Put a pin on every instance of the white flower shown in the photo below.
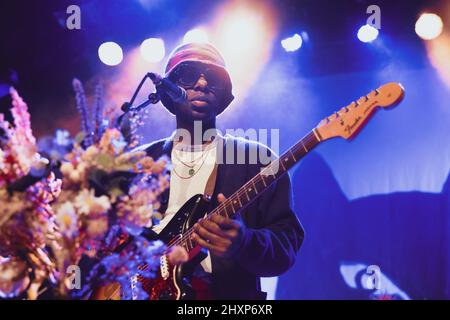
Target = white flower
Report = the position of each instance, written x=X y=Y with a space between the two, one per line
x=66 y=217
x=87 y=203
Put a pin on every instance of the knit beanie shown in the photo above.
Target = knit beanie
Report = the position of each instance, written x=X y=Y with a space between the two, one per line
x=199 y=52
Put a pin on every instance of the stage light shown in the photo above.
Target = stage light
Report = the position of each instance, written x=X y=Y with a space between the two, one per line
x=153 y=50
x=429 y=26
x=242 y=31
x=292 y=43
x=195 y=35
x=367 y=33
x=244 y=34
x=110 y=53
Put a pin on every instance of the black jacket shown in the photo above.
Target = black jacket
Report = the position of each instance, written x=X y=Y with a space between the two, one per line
x=275 y=234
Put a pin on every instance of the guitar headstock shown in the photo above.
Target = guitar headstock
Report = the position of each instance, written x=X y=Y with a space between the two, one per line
x=349 y=120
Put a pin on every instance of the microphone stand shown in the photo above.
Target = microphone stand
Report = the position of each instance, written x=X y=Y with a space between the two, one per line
x=153 y=98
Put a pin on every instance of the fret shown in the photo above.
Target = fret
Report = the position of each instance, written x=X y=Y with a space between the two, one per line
x=250 y=191
x=313 y=140
x=263 y=180
x=259 y=183
x=245 y=191
x=301 y=141
x=282 y=165
x=292 y=154
x=235 y=205
x=243 y=200
x=316 y=135
x=223 y=211
x=287 y=161
x=230 y=204
x=226 y=211
x=239 y=200
x=254 y=185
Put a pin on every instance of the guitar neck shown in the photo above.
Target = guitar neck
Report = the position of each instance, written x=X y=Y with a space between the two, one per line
x=268 y=175
x=232 y=206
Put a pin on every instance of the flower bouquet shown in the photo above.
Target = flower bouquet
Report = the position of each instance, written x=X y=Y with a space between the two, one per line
x=84 y=201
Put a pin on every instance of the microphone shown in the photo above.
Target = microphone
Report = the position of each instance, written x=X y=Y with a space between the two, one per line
x=165 y=86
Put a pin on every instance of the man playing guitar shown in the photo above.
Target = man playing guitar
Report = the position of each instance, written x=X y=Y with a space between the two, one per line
x=265 y=239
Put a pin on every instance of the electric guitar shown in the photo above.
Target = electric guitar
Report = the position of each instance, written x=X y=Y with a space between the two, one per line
x=170 y=281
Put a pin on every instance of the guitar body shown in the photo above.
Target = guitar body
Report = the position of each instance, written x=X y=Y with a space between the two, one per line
x=171 y=282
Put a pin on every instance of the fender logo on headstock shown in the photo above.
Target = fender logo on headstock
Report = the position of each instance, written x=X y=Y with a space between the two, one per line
x=350 y=119
x=349 y=128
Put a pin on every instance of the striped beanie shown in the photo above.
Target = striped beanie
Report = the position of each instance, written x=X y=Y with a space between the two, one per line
x=205 y=53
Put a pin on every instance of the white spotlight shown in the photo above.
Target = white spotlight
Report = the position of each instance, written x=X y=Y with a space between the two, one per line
x=293 y=43
x=242 y=32
x=110 y=53
x=429 y=26
x=367 y=33
x=195 y=35
x=153 y=50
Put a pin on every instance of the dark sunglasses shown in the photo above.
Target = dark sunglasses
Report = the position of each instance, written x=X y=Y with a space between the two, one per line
x=187 y=74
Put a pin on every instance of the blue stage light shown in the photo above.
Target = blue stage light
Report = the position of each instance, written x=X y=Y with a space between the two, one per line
x=429 y=26
x=367 y=33
x=153 y=50
x=292 y=43
x=196 y=35
x=110 y=53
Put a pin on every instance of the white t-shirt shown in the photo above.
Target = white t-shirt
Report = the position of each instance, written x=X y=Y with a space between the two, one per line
x=184 y=186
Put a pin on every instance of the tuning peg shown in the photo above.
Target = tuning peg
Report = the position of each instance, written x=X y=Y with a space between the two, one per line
x=343 y=110
x=363 y=99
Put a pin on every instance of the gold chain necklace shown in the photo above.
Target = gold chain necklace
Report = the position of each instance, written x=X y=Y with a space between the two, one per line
x=192 y=172
x=193 y=162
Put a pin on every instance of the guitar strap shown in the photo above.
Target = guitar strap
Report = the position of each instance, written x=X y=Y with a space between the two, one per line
x=211 y=183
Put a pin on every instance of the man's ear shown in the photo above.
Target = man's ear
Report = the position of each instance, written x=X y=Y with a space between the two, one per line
x=225 y=102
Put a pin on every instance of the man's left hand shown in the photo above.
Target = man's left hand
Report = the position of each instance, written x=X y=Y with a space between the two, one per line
x=221 y=236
